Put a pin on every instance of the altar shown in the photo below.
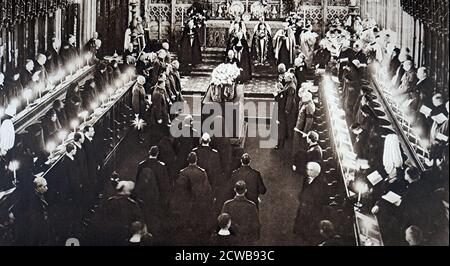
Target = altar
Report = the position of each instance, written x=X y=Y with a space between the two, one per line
x=166 y=19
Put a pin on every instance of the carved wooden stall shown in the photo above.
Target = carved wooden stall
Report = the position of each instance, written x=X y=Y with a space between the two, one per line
x=27 y=27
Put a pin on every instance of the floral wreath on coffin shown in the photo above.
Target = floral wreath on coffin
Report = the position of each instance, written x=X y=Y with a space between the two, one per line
x=223 y=79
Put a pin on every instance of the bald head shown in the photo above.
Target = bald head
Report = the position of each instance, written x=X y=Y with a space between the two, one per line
x=313 y=169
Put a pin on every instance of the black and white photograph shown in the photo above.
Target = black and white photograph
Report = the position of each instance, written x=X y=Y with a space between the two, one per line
x=224 y=123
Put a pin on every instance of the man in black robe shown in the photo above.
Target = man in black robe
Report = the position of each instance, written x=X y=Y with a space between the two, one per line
x=190 y=53
x=242 y=52
x=311 y=200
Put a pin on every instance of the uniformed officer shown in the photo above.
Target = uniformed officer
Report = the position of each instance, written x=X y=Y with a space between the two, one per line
x=197 y=199
x=165 y=183
x=244 y=214
x=209 y=159
x=116 y=216
x=252 y=177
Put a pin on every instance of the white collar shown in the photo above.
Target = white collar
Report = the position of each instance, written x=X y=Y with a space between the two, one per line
x=136 y=238
x=70 y=156
x=224 y=232
x=77 y=144
x=89 y=138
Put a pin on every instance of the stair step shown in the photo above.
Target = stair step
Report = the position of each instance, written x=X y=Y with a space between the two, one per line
x=214 y=49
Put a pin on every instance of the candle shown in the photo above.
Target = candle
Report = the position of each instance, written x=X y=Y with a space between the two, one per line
x=83 y=115
x=27 y=93
x=13 y=166
x=51 y=146
x=74 y=125
x=62 y=136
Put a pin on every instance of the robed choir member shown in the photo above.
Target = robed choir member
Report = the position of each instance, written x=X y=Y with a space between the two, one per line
x=50 y=126
x=73 y=102
x=284 y=46
x=26 y=75
x=262 y=44
x=190 y=53
x=242 y=52
x=58 y=107
x=89 y=94
x=101 y=79
x=13 y=84
x=308 y=40
x=311 y=201
x=40 y=68
x=245 y=215
x=69 y=52
x=54 y=62
x=159 y=117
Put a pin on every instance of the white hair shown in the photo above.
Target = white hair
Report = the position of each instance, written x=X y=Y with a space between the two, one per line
x=40 y=181
x=314 y=166
x=125 y=187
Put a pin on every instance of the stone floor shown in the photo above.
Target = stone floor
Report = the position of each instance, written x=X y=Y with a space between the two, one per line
x=200 y=84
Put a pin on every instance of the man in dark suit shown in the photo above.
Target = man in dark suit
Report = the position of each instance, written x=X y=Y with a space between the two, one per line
x=209 y=159
x=185 y=143
x=26 y=75
x=329 y=235
x=310 y=209
x=425 y=87
x=244 y=214
x=194 y=184
x=251 y=177
x=93 y=159
x=35 y=209
x=314 y=153
x=361 y=144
